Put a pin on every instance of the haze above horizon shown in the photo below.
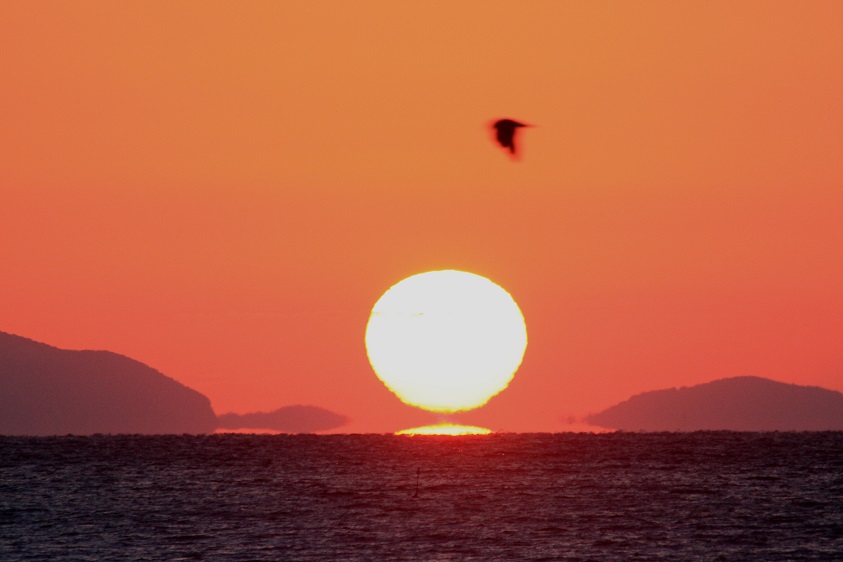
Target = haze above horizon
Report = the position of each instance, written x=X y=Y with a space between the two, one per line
x=223 y=192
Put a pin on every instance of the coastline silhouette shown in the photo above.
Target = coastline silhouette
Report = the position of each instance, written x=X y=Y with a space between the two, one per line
x=45 y=390
x=733 y=404
x=288 y=419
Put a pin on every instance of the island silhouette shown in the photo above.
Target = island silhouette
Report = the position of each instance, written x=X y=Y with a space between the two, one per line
x=296 y=419
x=45 y=390
x=736 y=404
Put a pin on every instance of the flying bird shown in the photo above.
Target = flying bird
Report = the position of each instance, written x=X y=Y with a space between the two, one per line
x=505 y=130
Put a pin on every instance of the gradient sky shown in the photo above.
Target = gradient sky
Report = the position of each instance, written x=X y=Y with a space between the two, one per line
x=222 y=190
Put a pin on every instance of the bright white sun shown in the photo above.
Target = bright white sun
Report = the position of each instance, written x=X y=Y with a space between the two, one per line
x=446 y=341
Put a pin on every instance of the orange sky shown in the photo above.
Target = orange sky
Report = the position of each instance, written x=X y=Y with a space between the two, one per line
x=223 y=191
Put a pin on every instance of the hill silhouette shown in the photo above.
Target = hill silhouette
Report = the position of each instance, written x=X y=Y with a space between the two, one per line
x=736 y=404
x=45 y=390
x=289 y=419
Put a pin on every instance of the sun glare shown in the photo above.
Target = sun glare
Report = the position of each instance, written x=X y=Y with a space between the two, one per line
x=446 y=341
x=445 y=429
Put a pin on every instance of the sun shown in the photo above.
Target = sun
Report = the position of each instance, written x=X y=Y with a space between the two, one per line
x=446 y=341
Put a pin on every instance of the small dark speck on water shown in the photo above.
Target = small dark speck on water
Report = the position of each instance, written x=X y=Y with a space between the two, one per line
x=616 y=496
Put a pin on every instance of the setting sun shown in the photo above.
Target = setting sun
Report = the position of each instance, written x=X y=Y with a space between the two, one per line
x=446 y=341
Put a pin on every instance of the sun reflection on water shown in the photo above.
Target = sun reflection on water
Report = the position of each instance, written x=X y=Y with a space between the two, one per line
x=445 y=429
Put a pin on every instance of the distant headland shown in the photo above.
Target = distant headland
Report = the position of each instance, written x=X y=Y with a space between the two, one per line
x=298 y=419
x=736 y=404
x=45 y=390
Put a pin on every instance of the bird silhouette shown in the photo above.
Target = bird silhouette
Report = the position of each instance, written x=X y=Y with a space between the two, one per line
x=505 y=130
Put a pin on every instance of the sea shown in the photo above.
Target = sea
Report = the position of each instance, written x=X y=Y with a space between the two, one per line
x=562 y=496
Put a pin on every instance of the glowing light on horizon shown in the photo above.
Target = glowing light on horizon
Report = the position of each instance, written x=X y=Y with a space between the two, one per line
x=445 y=429
x=446 y=341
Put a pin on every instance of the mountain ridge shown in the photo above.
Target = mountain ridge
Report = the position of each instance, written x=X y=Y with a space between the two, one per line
x=46 y=390
x=744 y=403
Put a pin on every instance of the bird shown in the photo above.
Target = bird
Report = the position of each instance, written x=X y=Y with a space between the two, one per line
x=505 y=130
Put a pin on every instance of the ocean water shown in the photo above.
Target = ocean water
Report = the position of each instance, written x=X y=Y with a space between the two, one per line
x=618 y=496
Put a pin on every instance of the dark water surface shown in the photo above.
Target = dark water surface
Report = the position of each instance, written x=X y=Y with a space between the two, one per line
x=700 y=496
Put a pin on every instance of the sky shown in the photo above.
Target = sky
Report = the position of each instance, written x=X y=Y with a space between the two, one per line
x=223 y=190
